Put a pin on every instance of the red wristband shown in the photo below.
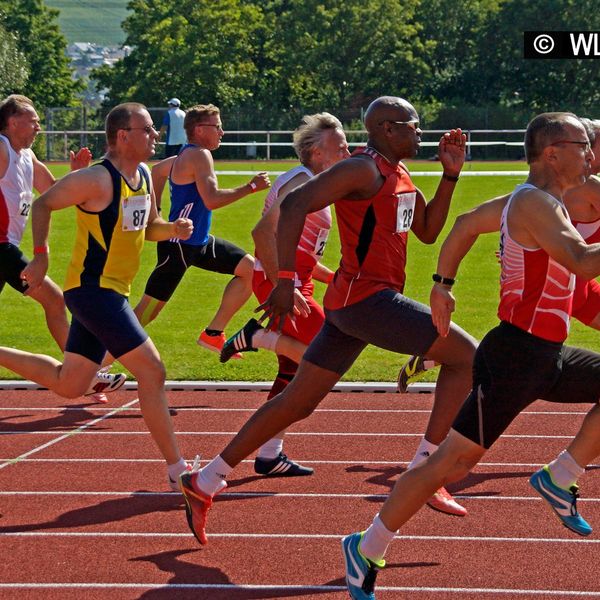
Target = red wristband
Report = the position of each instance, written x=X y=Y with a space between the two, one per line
x=41 y=250
x=330 y=278
x=286 y=275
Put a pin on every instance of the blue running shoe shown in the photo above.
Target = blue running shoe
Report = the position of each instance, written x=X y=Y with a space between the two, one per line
x=562 y=502
x=360 y=571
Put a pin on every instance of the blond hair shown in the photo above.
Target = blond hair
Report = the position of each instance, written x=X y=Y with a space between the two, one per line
x=309 y=133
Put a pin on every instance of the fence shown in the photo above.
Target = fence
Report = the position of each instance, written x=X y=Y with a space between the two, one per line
x=482 y=144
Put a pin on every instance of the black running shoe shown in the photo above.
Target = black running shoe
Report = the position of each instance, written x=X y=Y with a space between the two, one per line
x=281 y=466
x=240 y=341
x=412 y=370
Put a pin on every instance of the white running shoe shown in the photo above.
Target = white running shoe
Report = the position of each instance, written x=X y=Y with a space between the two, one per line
x=105 y=383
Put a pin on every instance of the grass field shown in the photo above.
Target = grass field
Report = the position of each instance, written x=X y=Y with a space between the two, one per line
x=93 y=21
x=198 y=296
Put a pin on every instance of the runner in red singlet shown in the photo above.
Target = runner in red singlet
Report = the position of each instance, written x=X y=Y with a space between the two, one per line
x=376 y=206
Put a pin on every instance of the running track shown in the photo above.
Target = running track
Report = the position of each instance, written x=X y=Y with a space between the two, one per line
x=84 y=511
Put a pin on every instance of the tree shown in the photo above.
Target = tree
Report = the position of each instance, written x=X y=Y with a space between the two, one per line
x=38 y=37
x=14 y=70
x=197 y=50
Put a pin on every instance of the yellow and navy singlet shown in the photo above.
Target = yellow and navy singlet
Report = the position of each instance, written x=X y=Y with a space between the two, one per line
x=108 y=244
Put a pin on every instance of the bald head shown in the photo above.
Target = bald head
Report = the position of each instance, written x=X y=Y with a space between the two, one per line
x=545 y=129
x=388 y=108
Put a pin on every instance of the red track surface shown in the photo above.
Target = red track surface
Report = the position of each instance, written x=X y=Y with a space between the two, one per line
x=87 y=514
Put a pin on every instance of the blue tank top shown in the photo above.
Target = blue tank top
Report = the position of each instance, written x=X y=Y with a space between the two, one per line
x=187 y=203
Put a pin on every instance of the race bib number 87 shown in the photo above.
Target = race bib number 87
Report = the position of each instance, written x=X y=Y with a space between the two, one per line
x=136 y=210
x=405 y=211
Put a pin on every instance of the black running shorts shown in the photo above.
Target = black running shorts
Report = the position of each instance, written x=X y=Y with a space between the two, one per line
x=512 y=369
x=386 y=319
x=174 y=258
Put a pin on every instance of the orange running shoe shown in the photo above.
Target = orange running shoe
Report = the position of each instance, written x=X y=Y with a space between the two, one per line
x=443 y=501
x=214 y=343
x=197 y=505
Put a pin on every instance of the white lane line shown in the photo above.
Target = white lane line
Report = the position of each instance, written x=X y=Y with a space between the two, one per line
x=350 y=462
x=292 y=536
x=277 y=495
x=255 y=408
x=298 y=588
x=79 y=430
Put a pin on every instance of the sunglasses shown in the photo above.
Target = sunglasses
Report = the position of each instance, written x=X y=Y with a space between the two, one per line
x=413 y=123
x=586 y=145
x=148 y=128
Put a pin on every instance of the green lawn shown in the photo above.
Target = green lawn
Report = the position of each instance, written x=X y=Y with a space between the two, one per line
x=198 y=296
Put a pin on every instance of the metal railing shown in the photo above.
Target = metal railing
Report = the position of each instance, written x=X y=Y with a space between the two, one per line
x=58 y=143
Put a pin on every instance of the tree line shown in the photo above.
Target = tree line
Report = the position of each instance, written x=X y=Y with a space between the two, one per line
x=269 y=61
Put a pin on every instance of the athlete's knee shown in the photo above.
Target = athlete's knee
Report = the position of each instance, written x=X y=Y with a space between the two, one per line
x=245 y=269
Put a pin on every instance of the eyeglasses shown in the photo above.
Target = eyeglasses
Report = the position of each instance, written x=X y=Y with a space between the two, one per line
x=413 y=123
x=219 y=126
x=586 y=145
x=148 y=128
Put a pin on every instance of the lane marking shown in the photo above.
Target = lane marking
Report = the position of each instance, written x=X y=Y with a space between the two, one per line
x=467 y=496
x=350 y=462
x=291 y=536
x=255 y=408
x=78 y=431
x=297 y=588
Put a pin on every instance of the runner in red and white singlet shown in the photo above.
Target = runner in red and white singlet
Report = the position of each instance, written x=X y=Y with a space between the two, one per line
x=536 y=292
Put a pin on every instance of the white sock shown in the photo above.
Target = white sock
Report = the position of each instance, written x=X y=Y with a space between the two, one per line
x=565 y=471
x=429 y=364
x=271 y=449
x=264 y=338
x=424 y=450
x=211 y=478
x=376 y=540
x=176 y=469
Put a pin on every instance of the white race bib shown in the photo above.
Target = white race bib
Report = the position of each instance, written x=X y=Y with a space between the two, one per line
x=25 y=203
x=405 y=211
x=321 y=242
x=136 y=210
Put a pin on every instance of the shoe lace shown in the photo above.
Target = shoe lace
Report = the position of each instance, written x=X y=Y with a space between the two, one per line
x=575 y=493
x=368 y=585
x=196 y=464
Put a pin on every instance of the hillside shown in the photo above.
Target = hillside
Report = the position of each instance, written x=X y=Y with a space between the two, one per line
x=97 y=21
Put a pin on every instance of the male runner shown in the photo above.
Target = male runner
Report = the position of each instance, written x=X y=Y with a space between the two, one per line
x=20 y=173
x=195 y=194
x=376 y=205
x=116 y=211
x=520 y=360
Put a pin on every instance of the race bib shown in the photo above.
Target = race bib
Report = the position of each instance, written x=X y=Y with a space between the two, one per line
x=321 y=242
x=25 y=203
x=136 y=210
x=405 y=211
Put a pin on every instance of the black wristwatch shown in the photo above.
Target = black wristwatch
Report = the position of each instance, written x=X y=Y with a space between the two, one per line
x=443 y=280
x=453 y=178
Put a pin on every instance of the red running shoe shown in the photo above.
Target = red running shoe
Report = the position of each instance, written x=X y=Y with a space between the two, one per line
x=443 y=501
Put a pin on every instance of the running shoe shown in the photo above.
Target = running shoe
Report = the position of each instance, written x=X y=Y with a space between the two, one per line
x=281 y=466
x=443 y=501
x=240 y=341
x=214 y=343
x=412 y=370
x=100 y=398
x=105 y=383
x=197 y=505
x=562 y=502
x=360 y=571
x=192 y=468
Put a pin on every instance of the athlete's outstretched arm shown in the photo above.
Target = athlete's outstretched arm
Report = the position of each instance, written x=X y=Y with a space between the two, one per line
x=430 y=217
x=484 y=218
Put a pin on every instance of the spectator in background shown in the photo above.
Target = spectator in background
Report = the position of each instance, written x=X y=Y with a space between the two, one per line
x=172 y=125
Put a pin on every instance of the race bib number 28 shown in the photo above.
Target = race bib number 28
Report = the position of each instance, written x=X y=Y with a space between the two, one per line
x=136 y=210
x=405 y=211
